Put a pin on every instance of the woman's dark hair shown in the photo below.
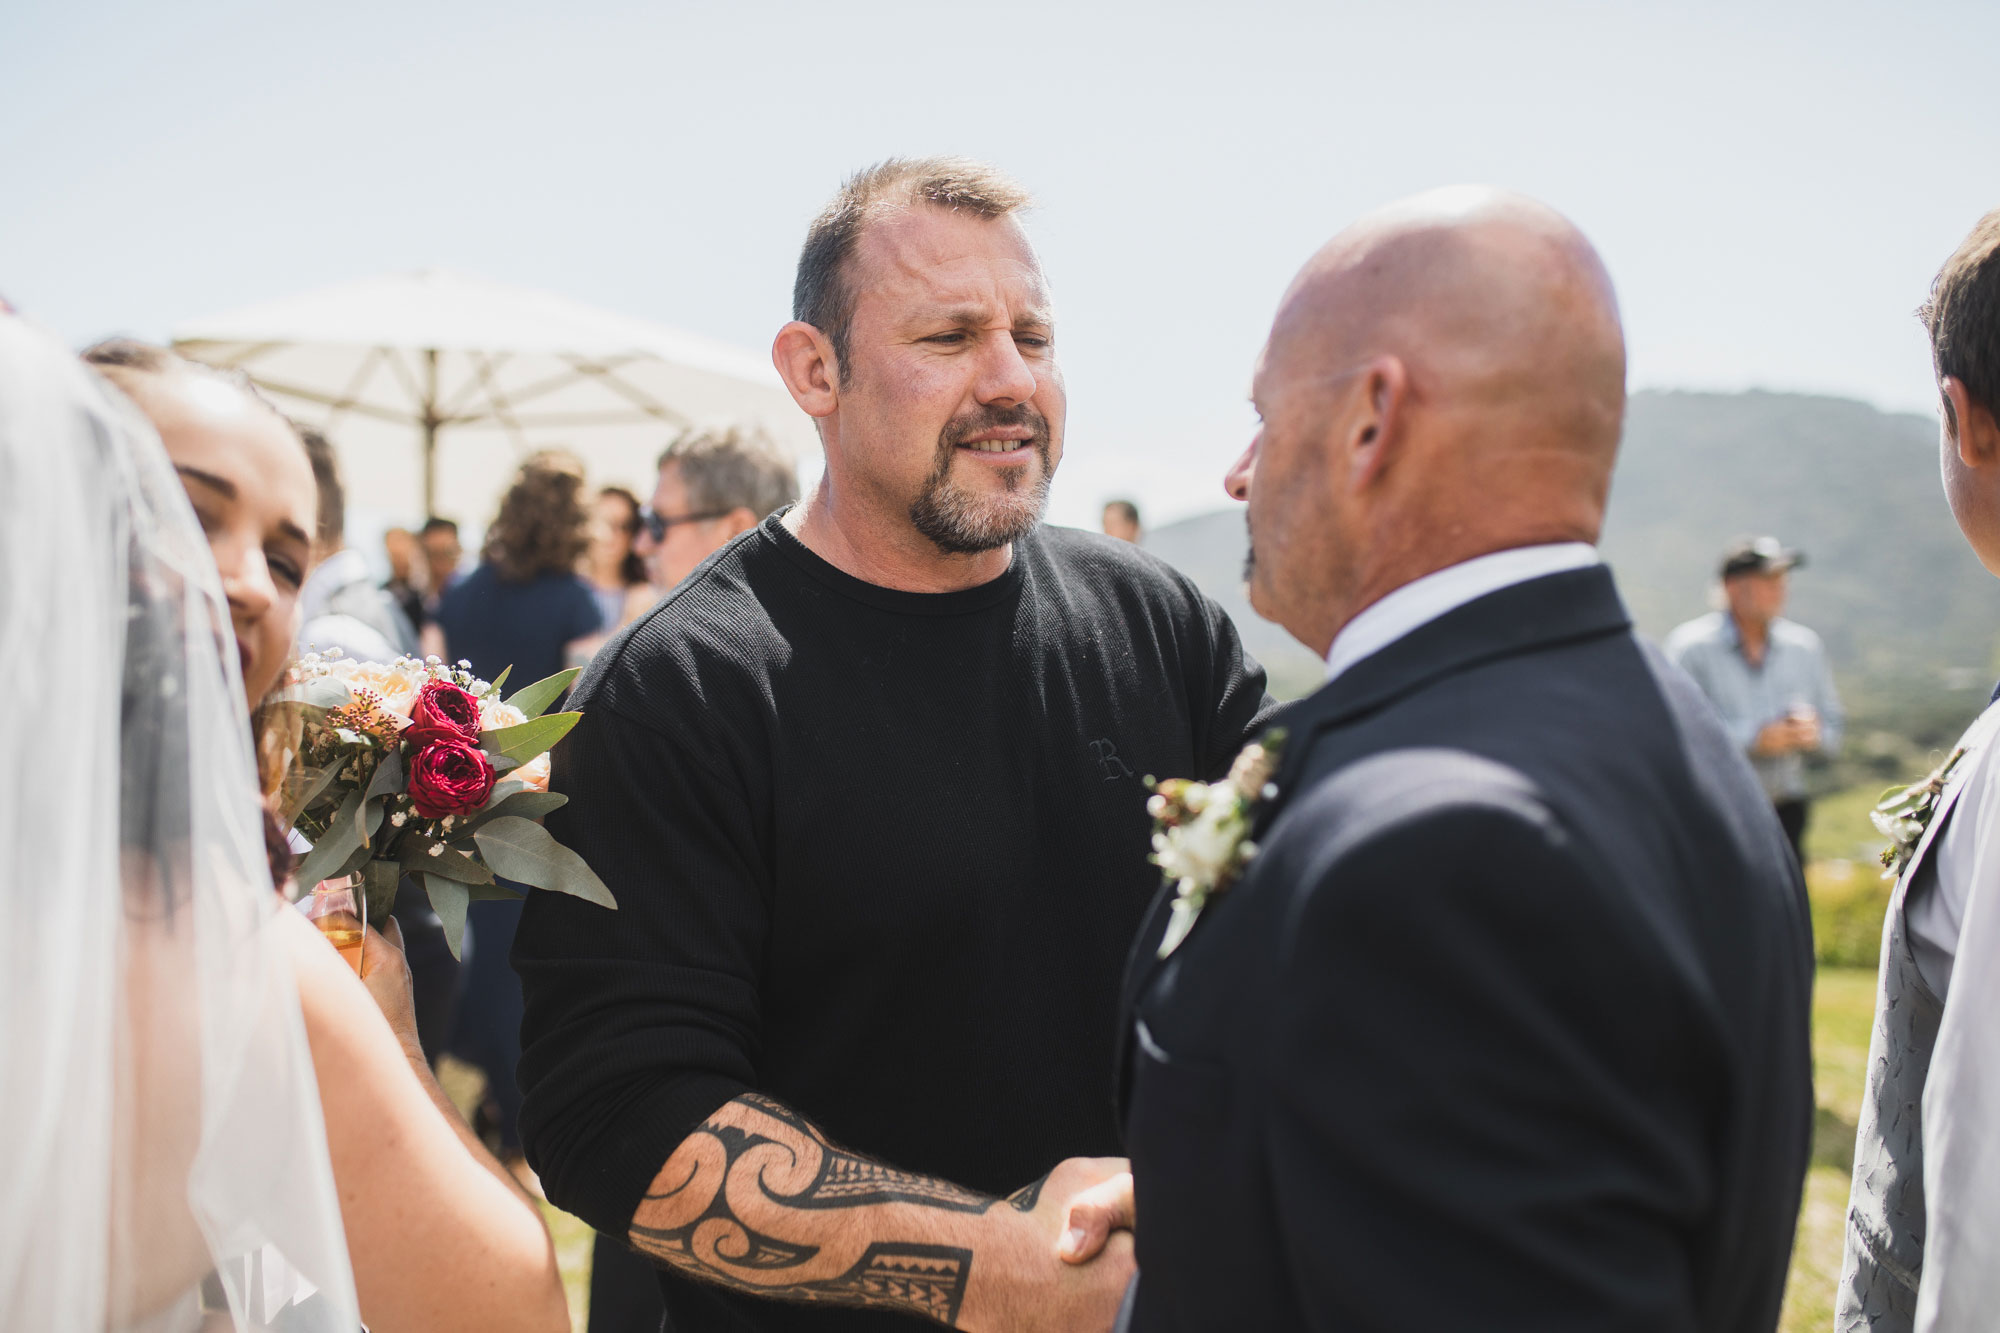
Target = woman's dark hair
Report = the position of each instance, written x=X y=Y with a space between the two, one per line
x=632 y=569
x=543 y=526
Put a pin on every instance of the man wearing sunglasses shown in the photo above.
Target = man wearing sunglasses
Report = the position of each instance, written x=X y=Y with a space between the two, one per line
x=714 y=484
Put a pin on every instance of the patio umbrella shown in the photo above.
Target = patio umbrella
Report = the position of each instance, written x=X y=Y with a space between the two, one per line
x=434 y=385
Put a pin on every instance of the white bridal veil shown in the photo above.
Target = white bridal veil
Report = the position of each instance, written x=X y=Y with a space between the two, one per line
x=163 y=1161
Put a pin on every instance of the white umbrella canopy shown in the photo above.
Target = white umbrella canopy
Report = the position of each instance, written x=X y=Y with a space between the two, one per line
x=434 y=385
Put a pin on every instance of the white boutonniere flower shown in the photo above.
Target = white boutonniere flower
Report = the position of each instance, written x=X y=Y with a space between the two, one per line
x=1201 y=831
x=1904 y=813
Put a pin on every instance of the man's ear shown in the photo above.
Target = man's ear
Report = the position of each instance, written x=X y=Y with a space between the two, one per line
x=1976 y=433
x=1385 y=383
x=805 y=361
x=738 y=520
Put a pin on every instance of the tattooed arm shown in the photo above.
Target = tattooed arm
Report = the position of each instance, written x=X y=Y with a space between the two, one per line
x=758 y=1200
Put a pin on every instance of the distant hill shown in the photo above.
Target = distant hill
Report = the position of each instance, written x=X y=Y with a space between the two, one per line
x=1910 y=619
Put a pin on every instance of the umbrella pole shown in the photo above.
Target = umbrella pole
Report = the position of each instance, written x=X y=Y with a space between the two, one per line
x=430 y=424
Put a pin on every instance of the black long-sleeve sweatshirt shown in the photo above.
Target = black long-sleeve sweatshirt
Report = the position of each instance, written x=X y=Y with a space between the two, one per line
x=877 y=854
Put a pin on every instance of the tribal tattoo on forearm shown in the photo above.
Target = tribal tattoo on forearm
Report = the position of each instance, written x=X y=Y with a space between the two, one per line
x=735 y=1178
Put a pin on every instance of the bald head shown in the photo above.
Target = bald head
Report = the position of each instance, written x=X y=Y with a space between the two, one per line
x=1492 y=301
x=1444 y=379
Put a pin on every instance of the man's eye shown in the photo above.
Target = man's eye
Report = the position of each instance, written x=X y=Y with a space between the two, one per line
x=1032 y=339
x=946 y=339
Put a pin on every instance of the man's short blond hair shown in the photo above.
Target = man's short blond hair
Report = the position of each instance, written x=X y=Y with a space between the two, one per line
x=822 y=296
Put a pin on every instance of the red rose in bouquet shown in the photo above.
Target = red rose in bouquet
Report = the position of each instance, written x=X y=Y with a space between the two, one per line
x=449 y=777
x=443 y=712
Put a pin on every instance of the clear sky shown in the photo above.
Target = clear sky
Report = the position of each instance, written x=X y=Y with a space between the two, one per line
x=1772 y=185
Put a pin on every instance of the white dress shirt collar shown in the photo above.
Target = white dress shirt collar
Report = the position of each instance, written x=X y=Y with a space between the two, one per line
x=1417 y=604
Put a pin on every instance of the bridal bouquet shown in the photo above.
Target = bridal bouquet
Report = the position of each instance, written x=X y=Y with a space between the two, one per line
x=418 y=768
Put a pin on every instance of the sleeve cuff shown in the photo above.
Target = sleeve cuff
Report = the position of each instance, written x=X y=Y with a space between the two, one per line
x=601 y=1170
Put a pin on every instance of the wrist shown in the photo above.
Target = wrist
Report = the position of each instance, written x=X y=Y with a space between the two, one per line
x=1003 y=1260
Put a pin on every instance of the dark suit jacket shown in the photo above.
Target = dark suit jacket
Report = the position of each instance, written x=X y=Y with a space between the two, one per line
x=1506 y=1028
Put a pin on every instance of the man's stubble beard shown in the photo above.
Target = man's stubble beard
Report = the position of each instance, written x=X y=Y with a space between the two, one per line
x=958 y=522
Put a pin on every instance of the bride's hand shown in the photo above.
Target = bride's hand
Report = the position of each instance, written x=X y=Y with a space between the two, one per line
x=386 y=974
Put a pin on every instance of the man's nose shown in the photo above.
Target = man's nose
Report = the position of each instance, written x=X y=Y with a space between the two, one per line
x=1005 y=375
x=1236 y=481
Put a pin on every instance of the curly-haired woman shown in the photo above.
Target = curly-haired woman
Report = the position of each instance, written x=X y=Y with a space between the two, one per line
x=522 y=608
x=526 y=604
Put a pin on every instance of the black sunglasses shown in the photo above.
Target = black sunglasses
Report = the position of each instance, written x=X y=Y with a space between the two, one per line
x=656 y=524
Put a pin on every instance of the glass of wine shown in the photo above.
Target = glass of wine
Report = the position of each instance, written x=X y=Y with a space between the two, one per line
x=340 y=909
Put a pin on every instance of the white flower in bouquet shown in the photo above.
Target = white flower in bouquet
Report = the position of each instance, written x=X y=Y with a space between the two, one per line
x=494 y=715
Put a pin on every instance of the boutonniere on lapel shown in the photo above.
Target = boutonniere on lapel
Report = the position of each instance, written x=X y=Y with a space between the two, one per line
x=1904 y=813
x=1201 y=830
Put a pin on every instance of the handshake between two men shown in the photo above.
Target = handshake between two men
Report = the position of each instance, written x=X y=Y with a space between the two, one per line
x=1504 y=1026
x=757 y=1199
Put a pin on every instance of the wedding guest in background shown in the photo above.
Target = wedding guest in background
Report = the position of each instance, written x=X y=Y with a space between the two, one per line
x=714 y=484
x=1767 y=676
x=1505 y=1026
x=412 y=1178
x=442 y=557
x=1121 y=520
x=524 y=607
x=1923 y=1230
x=341 y=606
x=617 y=573
x=406 y=573
x=869 y=789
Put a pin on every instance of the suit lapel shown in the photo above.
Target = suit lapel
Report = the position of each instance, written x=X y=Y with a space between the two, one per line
x=1975 y=741
x=1525 y=617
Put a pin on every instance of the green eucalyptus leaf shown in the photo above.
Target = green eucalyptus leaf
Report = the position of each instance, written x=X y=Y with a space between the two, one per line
x=456 y=865
x=357 y=860
x=519 y=803
x=448 y=900
x=423 y=854
x=493 y=686
x=381 y=883
x=529 y=739
x=388 y=779
x=501 y=791
x=534 y=699
x=523 y=850
x=494 y=892
x=342 y=839
x=302 y=787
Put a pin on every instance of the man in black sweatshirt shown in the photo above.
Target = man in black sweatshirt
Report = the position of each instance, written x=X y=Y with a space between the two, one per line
x=869 y=789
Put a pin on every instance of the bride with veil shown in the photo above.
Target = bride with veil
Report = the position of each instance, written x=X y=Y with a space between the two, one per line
x=165 y=1160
